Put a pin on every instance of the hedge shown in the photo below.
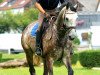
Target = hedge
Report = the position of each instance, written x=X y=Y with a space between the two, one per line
x=76 y=41
x=90 y=58
x=74 y=58
x=0 y=56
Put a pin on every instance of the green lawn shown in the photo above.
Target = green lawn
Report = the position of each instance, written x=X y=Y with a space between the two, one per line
x=57 y=71
x=6 y=57
x=78 y=69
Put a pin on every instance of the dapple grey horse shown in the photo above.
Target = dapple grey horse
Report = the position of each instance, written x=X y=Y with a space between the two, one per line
x=55 y=40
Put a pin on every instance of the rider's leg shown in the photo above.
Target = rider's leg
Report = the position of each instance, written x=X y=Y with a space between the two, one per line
x=39 y=35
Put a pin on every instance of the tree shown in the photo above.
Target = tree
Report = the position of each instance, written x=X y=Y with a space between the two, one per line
x=17 y=22
x=1 y=1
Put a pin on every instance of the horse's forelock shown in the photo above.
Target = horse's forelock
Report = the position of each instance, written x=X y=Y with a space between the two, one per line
x=72 y=7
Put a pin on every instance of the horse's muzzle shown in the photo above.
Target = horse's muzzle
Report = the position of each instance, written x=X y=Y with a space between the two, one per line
x=71 y=38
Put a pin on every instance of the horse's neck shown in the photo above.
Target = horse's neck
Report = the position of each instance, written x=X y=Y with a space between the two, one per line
x=52 y=33
x=59 y=23
x=59 y=20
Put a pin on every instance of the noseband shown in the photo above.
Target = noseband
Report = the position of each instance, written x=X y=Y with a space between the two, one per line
x=64 y=26
x=67 y=28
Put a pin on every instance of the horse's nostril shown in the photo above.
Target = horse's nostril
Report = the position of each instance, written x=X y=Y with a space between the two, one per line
x=71 y=38
x=67 y=19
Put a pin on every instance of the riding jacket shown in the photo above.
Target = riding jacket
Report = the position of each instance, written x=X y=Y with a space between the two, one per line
x=49 y=4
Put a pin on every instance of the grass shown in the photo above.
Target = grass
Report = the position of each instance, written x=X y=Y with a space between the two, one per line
x=6 y=57
x=57 y=71
x=14 y=56
x=78 y=69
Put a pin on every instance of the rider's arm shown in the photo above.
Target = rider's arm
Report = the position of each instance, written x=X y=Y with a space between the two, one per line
x=39 y=7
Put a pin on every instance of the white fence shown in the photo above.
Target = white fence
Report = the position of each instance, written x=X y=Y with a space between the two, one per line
x=10 y=41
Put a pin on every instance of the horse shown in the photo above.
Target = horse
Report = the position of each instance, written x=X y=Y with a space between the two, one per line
x=56 y=43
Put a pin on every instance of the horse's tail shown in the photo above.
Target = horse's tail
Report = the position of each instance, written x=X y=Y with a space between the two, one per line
x=37 y=60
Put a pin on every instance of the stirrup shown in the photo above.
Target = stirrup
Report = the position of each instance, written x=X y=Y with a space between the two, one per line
x=38 y=51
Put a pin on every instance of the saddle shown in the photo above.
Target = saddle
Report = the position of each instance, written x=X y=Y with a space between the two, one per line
x=46 y=23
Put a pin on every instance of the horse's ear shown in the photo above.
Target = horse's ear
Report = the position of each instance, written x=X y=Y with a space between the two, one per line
x=76 y=6
x=68 y=5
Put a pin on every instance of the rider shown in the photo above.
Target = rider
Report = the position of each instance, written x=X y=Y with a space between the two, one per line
x=44 y=7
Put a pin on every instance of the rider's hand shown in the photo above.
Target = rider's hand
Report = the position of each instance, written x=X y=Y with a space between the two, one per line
x=47 y=15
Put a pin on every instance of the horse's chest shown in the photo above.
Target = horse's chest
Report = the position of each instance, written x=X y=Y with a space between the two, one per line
x=56 y=53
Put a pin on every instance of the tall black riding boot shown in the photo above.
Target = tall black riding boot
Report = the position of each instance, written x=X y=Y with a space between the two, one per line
x=38 y=44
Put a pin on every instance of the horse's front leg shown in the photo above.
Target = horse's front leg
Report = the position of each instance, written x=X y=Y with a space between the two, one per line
x=67 y=62
x=48 y=66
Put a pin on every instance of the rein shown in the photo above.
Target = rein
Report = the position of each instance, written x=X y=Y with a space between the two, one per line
x=52 y=20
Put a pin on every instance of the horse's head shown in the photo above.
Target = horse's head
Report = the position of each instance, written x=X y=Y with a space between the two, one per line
x=69 y=16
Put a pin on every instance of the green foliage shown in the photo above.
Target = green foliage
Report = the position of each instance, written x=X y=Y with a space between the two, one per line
x=74 y=58
x=1 y=1
x=17 y=22
x=4 y=24
x=90 y=58
x=29 y=16
x=0 y=56
x=76 y=41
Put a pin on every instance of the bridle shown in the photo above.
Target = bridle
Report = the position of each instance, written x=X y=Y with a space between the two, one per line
x=65 y=27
